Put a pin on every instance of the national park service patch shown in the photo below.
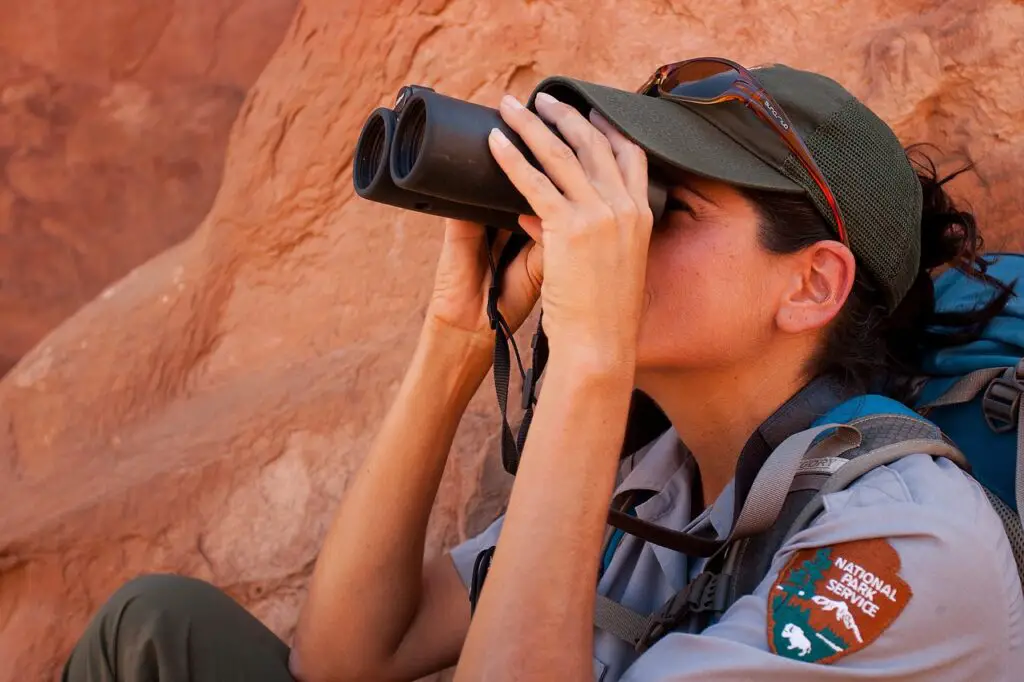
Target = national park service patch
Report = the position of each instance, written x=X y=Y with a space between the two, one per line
x=831 y=601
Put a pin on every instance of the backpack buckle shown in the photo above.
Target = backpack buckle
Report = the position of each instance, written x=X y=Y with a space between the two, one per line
x=705 y=593
x=708 y=593
x=1001 y=402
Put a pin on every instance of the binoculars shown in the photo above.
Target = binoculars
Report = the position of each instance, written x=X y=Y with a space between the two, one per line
x=429 y=154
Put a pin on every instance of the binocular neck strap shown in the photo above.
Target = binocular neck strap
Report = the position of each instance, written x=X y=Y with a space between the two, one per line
x=512 y=446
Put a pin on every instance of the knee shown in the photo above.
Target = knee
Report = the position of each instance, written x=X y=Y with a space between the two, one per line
x=154 y=597
x=157 y=592
x=163 y=589
x=139 y=610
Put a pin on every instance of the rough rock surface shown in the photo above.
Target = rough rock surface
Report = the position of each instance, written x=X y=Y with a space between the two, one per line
x=114 y=117
x=204 y=414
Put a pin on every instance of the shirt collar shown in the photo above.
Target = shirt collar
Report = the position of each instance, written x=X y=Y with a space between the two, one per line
x=652 y=466
x=721 y=512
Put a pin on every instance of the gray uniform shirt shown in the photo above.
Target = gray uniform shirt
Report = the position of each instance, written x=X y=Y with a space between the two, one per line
x=963 y=621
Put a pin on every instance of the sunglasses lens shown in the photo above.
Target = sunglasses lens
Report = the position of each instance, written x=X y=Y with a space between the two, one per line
x=699 y=80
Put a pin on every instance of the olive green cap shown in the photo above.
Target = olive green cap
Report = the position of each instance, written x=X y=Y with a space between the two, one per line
x=860 y=156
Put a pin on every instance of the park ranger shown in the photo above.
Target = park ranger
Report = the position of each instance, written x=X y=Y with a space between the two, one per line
x=789 y=274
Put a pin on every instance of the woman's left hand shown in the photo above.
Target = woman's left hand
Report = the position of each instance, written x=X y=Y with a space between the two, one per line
x=593 y=219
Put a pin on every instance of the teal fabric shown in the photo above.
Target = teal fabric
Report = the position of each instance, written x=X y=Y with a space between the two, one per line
x=862 y=406
x=616 y=537
x=613 y=544
x=1001 y=344
x=992 y=455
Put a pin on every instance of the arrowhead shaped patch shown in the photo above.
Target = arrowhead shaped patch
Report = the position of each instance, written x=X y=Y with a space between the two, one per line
x=832 y=601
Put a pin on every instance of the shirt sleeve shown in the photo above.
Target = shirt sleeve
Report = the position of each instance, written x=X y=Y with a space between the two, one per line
x=937 y=561
x=464 y=555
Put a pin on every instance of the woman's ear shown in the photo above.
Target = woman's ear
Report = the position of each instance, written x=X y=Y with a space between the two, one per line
x=822 y=277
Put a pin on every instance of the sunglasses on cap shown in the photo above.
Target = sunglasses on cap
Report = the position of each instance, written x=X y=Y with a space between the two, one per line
x=711 y=80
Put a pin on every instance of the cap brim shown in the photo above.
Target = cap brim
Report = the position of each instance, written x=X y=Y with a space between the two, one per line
x=671 y=133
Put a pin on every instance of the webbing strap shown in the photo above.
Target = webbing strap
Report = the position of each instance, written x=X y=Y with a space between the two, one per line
x=685 y=543
x=817 y=398
x=1012 y=526
x=772 y=484
x=704 y=594
x=859 y=466
x=621 y=621
x=760 y=508
x=966 y=389
x=511 y=445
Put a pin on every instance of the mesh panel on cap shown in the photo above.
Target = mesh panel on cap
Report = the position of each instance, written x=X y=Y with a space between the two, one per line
x=877 y=190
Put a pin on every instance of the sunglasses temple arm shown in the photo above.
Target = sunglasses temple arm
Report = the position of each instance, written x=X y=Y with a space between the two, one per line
x=796 y=145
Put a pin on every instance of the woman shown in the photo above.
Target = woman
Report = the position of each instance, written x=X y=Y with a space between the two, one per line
x=754 y=289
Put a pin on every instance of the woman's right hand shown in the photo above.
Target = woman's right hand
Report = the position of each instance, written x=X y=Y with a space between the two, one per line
x=459 y=300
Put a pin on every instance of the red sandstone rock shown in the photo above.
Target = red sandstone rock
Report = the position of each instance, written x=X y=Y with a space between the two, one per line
x=203 y=415
x=114 y=117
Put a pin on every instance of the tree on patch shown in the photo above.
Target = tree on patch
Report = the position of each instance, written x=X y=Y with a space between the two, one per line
x=797 y=584
x=804 y=577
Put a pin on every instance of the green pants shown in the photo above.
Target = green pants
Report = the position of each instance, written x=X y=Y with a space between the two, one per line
x=166 y=628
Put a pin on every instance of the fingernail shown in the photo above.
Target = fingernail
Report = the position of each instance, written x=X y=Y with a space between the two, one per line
x=546 y=98
x=511 y=102
x=499 y=138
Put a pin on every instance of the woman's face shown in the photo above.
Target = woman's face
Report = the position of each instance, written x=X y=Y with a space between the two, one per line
x=712 y=290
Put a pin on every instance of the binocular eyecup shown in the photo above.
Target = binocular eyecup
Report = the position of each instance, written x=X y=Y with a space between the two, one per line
x=430 y=155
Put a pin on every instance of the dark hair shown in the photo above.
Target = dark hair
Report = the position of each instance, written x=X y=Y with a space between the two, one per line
x=866 y=347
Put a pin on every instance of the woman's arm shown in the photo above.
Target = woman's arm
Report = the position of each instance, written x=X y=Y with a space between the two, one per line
x=373 y=611
x=534 y=620
x=535 y=617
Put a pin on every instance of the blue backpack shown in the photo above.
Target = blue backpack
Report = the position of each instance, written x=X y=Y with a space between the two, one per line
x=973 y=392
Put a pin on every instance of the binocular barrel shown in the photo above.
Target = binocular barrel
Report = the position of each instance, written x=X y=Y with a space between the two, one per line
x=372 y=179
x=430 y=154
x=442 y=150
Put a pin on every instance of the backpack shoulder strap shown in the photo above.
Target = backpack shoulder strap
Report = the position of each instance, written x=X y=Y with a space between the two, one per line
x=621 y=621
x=704 y=593
x=865 y=463
x=767 y=497
x=885 y=438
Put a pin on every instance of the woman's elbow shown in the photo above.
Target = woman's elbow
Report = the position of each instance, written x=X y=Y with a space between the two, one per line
x=312 y=664
x=323 y=664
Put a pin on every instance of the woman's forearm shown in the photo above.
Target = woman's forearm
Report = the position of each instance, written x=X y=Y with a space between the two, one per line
x=535 y=617
x=366 y=585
